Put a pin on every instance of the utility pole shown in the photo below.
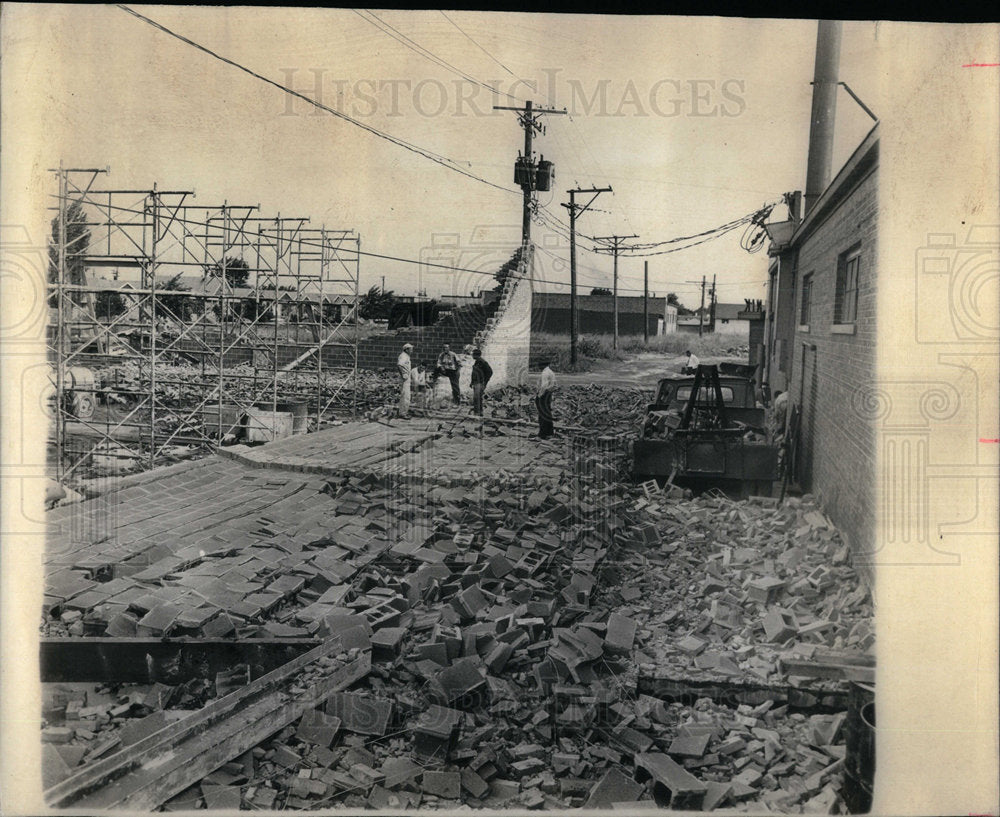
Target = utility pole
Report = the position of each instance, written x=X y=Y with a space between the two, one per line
x=701 y=309
x=383 y=285
x=645 y=302
x=574 y=211
x=528 y=117
x=711 y=308
x=616 y=241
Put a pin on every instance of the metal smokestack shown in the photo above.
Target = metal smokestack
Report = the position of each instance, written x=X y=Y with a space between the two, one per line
x=824 y=109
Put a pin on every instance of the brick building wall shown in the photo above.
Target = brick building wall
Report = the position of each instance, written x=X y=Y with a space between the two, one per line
x=830 y=364
x=374 y=352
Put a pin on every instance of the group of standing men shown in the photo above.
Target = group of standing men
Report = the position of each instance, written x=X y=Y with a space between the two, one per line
x=415 y=378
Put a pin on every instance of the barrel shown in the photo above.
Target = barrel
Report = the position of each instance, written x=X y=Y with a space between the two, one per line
x=264 y=426
x=299 y=409
x=859 y=760
x=79 y=382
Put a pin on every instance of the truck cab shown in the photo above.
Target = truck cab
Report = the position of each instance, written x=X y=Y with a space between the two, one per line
x=674 y=391
x=706 y=441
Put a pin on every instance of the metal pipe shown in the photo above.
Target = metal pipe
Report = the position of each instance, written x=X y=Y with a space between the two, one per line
x=824 y=109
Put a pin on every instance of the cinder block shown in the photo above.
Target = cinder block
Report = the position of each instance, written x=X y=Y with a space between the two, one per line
x=613 y=787
x=620 y=634
x=779 y=625
x=359 y=713
x=442 y=784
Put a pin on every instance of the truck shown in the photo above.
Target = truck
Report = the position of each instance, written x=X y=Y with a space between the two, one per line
x=705 y=430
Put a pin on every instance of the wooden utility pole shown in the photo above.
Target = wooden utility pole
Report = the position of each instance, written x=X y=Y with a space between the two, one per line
x=575 y=210
x=711 y=309
x=701 y=310
x=645 y=302
x=616 y=241
x=528 y=117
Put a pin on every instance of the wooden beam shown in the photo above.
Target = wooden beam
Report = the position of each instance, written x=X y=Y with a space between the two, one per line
x=146 y=774
x=735 y=693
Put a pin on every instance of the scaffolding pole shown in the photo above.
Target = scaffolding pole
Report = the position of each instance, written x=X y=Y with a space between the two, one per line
x=153 y=231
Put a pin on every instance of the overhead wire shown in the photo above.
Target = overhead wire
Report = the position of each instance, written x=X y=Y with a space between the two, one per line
x=426 y=153
x=413 y=45
x=487 y=53
x=751 y=241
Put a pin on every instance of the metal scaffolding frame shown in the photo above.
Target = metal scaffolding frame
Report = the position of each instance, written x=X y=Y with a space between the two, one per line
x=300 y=299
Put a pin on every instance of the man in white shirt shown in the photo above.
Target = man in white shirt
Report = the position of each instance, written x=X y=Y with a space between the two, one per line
x=543 y=402
x=447 y=365
x=404 y=367
x=691 y=365
x=779 y=415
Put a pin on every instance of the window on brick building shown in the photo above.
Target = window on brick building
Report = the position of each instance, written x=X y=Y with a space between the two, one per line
x=845 y=310
x=807 y=283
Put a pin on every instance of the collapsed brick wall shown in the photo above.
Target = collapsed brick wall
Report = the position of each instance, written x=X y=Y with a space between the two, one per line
x=838 y=440
x=507 y=339
x=375 y=352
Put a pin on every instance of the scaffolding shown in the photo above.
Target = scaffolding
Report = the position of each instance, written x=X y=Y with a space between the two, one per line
x=218 y=322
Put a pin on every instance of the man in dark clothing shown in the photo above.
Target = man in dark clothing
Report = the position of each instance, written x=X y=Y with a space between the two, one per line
x=447 y=365
x=481 y=374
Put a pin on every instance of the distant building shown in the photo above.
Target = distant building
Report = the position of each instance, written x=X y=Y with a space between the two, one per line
x=729 y=322
x=551 y=313
x=669 y=325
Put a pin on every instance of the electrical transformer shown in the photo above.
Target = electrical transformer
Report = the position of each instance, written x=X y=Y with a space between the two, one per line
x=522 y=172
x=544 y=176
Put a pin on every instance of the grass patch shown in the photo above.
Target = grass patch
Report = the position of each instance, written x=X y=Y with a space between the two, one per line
x=592 y=348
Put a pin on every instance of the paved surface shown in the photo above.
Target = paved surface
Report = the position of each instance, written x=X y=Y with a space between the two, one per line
x=441 y=450
x=643 y=370
x=273 y=495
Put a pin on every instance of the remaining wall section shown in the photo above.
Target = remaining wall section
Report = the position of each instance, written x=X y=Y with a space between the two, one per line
x=507 y=338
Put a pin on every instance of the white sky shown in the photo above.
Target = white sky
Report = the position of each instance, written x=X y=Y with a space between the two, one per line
x=119 y=93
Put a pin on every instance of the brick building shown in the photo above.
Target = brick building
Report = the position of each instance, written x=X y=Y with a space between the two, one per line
x=820 y=339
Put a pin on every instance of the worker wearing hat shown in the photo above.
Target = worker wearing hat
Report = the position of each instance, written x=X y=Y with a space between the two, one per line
x=404 y=366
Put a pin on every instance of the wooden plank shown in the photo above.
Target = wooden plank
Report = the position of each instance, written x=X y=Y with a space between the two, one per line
x=170 y=769
x=813 y=668
x=127 y=760
x=688 y=691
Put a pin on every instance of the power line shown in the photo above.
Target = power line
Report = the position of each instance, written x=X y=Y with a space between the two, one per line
x=487 y=53
x=437 y=158
x=750 y=241
x=414 y=46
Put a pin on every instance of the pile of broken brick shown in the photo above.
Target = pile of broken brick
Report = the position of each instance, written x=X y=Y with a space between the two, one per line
x=181 y=384
x=511 y=630
x=592 y=408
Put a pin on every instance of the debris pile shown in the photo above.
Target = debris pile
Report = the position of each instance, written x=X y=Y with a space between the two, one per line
x=729 y=589
x=593 y=408
x=510 y=630
x=185 y=384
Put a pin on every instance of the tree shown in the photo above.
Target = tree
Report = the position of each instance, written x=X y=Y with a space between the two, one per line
x=77 y=246
x=673 y=300
x=601 y=291
x=237 y=271
x=507 y=269
x=175 y=306
x=109 y=305
x=376 y=303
